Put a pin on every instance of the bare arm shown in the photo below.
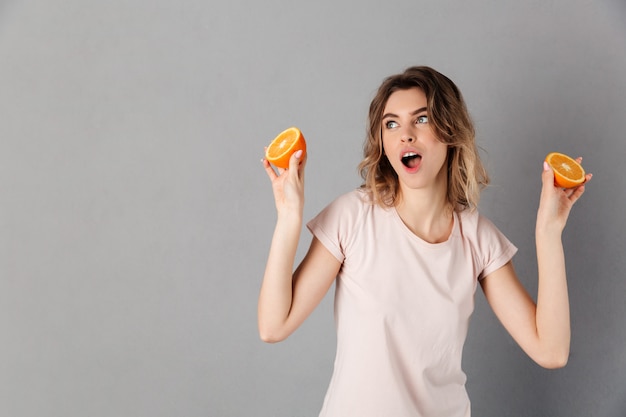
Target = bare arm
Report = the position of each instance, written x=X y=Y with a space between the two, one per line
x=541 y=329
x=287 y=298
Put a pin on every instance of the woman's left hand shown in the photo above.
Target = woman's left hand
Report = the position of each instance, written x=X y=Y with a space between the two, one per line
x=555 y=203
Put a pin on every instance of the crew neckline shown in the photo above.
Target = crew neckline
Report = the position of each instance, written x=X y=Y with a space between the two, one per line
x=416 y=238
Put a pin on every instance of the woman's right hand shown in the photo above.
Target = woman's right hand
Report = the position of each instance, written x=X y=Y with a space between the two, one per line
x=288 y=184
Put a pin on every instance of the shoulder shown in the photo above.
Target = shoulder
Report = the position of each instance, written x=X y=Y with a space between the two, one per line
x=473 y=224
x=481 y=233
x=353 y=202
x=490 y=246
x=336 y=226
x=343 y=213
x=356 y=197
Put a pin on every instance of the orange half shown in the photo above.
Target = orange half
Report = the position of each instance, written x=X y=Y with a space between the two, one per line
x=567 y=172
x=284 y=145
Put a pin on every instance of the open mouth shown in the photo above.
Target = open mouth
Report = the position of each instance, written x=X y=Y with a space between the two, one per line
x=411 y=159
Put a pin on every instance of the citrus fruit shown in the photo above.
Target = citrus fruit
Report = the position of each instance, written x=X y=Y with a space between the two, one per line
x=284 y=145
x=567 y=172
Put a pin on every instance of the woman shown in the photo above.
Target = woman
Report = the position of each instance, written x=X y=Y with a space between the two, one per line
x=407 y=251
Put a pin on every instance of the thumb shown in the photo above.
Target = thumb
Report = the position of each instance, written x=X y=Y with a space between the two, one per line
x=294 y=161
x=547 y=176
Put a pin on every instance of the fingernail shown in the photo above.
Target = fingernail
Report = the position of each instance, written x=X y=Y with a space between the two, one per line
x=298 y=153
x=546 y=167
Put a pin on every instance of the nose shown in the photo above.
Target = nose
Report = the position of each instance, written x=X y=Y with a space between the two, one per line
x=408 y=134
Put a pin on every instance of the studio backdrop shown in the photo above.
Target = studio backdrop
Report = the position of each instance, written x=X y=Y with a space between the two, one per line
x=135 y=215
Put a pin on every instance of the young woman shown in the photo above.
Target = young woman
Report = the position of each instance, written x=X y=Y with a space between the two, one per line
x=407 y=251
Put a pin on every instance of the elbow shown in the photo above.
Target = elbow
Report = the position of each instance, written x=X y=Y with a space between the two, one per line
x=554 y=361
x=271 y=336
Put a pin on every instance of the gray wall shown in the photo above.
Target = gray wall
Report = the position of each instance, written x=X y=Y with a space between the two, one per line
x=135 y=217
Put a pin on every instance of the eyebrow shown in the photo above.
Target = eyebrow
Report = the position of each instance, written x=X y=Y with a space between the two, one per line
x=420 y=110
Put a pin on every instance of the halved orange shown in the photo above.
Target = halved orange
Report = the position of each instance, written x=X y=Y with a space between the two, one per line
x=567 y=172
x=284 y=145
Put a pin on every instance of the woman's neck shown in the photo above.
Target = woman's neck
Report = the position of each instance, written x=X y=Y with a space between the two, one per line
x=427 y=214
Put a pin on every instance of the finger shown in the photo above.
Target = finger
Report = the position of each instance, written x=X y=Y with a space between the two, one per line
x=573 y=192
x=269 y=170
x=577 y=193
x=302 y=165
x=547 y=176
x=294 y=161
x=587 y=179
x=268 y=167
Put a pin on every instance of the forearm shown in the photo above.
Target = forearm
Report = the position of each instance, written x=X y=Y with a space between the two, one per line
x=552 y=314
x=276 y=293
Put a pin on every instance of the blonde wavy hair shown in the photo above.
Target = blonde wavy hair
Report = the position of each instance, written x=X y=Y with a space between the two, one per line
x=450 y=121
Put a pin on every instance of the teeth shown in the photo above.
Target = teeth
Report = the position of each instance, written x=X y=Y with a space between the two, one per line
x=409 y=154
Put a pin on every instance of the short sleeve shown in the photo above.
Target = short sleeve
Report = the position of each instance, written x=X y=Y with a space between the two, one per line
x=334 y=225
x=496 y=249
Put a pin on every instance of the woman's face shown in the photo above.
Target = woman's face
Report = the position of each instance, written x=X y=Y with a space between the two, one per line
x=409 y=142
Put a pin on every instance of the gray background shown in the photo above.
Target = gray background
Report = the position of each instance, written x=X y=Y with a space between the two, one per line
x=135 y=216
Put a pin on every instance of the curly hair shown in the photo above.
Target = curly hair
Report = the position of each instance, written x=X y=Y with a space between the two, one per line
x=451 y=123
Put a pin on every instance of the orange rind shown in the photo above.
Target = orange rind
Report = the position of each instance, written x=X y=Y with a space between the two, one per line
x=284 y=145
x=568 y=173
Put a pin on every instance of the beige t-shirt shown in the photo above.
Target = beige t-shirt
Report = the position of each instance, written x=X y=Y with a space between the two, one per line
x=402 y=309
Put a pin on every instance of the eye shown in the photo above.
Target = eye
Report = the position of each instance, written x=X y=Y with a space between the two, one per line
x=422 y=119
x=391 y=124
